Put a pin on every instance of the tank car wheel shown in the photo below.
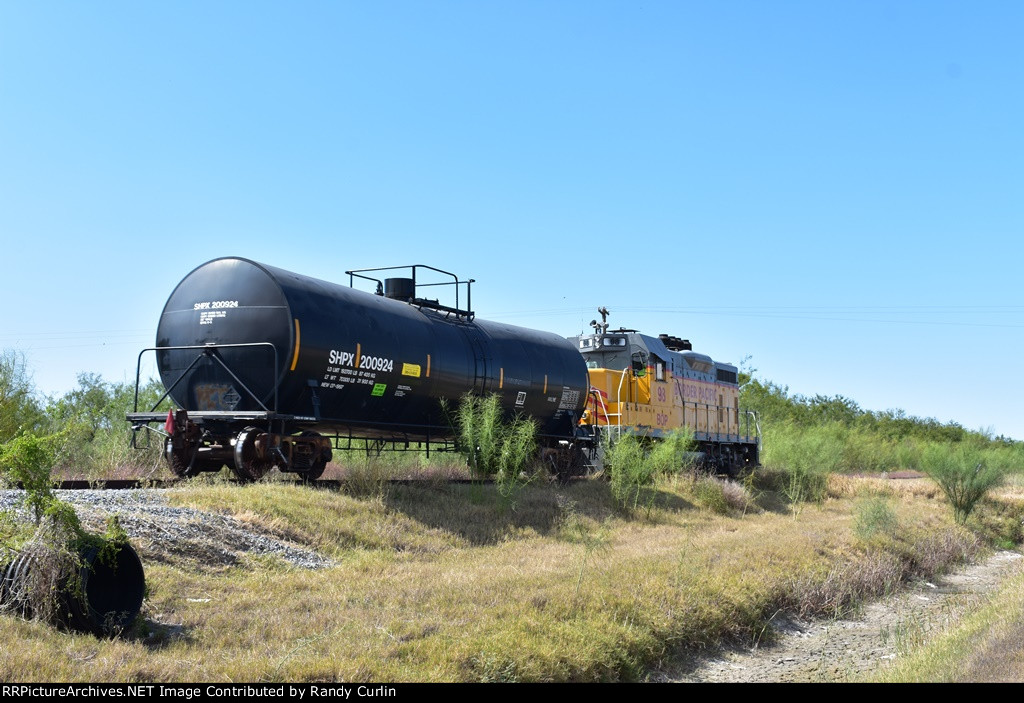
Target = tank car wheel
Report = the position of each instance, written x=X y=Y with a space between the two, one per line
x=182 y=460
x=316 y=470
x=248 y=464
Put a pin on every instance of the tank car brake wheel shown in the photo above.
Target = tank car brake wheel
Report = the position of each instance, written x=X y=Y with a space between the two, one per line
x=248 y=464
x=182 y=460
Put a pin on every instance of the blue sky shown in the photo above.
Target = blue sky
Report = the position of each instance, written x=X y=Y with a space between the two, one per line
x=832 y=189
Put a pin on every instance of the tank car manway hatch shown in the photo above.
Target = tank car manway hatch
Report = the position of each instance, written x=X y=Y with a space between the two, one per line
x=266 y=368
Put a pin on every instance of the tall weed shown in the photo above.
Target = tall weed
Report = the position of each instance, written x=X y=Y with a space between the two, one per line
x=496 y=446
x=672 y=453
x=493 y=445
x=27 y=460
x=628 y=469
x=634 y=462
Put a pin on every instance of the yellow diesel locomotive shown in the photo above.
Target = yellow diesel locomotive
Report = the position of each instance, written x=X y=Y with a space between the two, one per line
x=651 y=386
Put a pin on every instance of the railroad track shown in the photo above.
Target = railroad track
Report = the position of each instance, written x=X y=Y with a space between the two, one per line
x=325 y=484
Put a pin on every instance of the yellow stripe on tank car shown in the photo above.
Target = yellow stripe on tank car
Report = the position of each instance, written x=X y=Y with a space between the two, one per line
x=359 y=353
x=501 y=378
x=295 y=356
x=428 y=365
x=545 y=384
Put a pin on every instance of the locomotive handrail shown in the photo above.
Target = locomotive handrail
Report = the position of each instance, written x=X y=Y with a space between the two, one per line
x=618 y=394
x=600 y=402
x=207 y=350
x=757 y=425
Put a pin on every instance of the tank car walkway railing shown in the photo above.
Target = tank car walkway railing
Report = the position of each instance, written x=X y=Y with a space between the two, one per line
x=467 y=313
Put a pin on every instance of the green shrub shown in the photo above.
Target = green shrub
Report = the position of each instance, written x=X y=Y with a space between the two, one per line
x=20 y=410
x=95 y=438
x=805 y=456
x=962 y=472
x=874 y=516
x=27 y=460
x=998 y=522
x=672 y=453
x=55 y=547
x=709 y=493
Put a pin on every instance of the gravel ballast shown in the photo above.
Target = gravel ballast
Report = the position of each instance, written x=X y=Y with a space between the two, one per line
x=164 y=532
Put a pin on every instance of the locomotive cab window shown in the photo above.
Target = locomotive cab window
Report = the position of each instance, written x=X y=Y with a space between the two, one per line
x=699 y=364
x=639 y=363
x=659 y=368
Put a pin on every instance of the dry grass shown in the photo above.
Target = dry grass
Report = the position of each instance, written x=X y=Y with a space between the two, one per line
x=845 y=486
x=986 y=646
x=1012 y=489
x=412 y=465
x=445 y=583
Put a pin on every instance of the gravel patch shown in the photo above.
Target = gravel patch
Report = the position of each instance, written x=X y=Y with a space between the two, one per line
x=167 y=533
x=837 y=650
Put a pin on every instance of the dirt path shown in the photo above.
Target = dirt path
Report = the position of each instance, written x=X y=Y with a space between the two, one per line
x=835 y=650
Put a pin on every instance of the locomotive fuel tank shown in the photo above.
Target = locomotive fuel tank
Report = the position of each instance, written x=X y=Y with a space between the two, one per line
x=238 y=338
